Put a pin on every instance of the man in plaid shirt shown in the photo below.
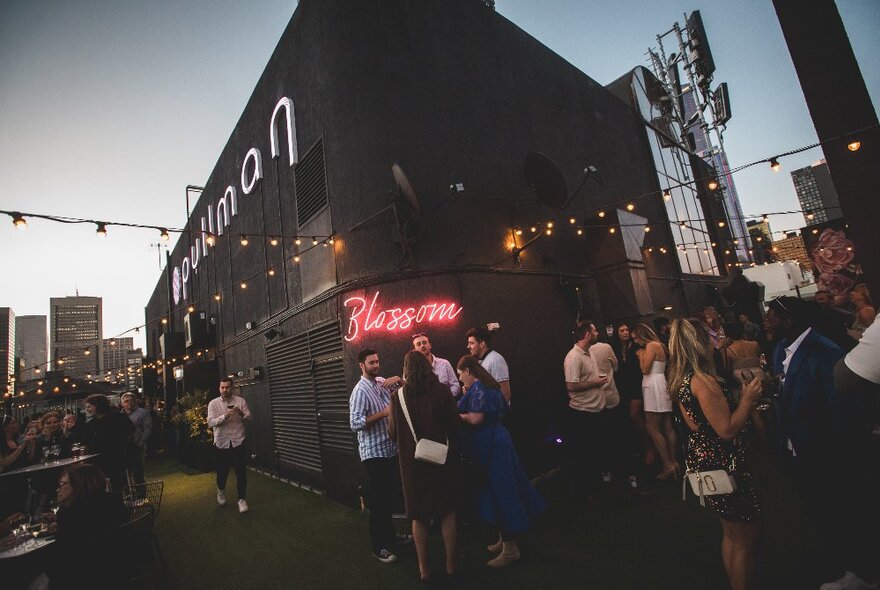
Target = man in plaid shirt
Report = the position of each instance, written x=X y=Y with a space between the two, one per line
x=369 y=408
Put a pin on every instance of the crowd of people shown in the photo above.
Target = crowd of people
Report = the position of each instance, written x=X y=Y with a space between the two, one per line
x=685 y=399
x=696 y=398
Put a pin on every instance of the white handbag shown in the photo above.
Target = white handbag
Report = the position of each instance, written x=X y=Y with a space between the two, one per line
x=426 y=450
x=710 y=483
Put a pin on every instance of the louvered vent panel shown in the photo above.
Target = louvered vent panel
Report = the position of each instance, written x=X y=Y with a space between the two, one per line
x=293 y=402
x=311 y=184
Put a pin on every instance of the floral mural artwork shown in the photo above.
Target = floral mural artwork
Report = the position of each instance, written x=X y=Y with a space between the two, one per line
x=833 y=255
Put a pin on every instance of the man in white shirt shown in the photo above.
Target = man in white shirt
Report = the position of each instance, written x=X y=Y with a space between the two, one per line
x=587 y=399
x=479 y=344
x=227 y=415
x=442 y=368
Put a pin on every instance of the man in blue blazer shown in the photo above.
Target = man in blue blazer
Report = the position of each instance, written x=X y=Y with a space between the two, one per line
x=818 y=430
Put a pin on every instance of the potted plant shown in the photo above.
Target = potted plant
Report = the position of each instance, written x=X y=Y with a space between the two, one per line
x=194 y=416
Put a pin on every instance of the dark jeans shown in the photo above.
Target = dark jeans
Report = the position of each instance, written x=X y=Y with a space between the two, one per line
x=233 y=457
x=136 y=470
x=620 y=441
x=588 y=447
x=383 y=491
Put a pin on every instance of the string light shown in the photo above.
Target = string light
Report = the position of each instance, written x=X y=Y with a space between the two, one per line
x=810 y=215
x=713 y=184
x=271 y=272
x=217 y=296
x=191 y=308
x=244 y=240
x=721 y=224
x=572 y=220
x=533 y=229
x=19 y=221
x=102 y=229
x=548 y=231
x=297 y=241
x=314 y=241
x=210 y=238
x=630 y=207
x=164 y=321
x=667 y=196
x=163 y=235
x=296 y=258
x=550 y=224
x=854 y=146
x=273 y=241
x=647 y=228
x=330 y=240
x=601 y=214
x=580 y=232
x=774 y=164
x=611 y=230
x=243 y=285
x=517 y=231
x=87 y=351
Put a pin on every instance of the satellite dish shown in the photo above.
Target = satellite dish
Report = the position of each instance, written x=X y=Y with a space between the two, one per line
x=545 y=180
x=406 y=188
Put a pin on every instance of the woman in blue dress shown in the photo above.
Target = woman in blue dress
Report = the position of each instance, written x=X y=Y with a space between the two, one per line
x=508 y=500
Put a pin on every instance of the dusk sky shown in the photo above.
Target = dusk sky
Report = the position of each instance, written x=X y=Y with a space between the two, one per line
x=109 y=108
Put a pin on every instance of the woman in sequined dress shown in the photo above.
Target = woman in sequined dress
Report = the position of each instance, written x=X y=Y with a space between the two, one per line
x=716 y=442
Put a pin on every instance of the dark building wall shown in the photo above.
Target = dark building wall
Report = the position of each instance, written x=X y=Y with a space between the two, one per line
x=453 y=93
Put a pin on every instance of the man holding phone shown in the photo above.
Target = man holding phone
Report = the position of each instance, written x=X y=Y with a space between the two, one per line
x=226 y=416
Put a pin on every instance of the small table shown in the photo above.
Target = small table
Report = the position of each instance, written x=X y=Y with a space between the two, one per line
x=26 y=547
x=49 y=465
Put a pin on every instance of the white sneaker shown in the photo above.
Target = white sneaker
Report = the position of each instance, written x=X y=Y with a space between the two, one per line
x=242 y=506
x=221 y=497
x=633 y=483
x=849 y=581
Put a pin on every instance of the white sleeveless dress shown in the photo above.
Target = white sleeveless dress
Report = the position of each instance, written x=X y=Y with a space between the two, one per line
x=654 y=389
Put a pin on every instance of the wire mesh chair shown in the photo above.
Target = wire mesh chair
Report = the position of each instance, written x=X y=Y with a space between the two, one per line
x=133 y=537
x=138 y=496
x=146 y=500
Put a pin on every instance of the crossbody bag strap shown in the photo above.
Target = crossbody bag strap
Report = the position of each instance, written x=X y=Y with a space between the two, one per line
x=402 y=400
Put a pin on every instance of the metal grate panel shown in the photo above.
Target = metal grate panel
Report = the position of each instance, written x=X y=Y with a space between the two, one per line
x=311 y=184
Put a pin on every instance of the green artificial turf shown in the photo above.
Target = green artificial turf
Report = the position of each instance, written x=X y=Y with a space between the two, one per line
x=293 y=538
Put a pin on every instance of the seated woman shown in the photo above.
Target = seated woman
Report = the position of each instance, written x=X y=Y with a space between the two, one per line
x=508 y=500
x=87 y=515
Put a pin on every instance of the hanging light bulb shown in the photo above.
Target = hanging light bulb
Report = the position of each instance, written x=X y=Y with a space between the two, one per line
x=19 y=221
x=87 y=351
x=572 y=220
x=549 y=224
x=102 y=229
x=210 y=238
x=314 y=241
x=548 y=231
x=765 y=218
x=243 y=285
x=271 y=272
x=647 y=228
x=217 y=297
x=164 y=321
x=296 y=258
x=273 y=241
x=713 y=184
x=580 y=232
x=601 y=214
x=517 y=231
x=191 y=308
x=244 y=240
x=682 y=225
x=774 y=165
x=667 y=196
x=611 y=230
x=331 y=240
x=630 y=207
x=810 y=215
x=163 y=235
x=721 y=224
x=854 y=146
x=297 y=241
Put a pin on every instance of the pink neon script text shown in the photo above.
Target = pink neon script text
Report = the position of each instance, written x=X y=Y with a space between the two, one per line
x=365 y=315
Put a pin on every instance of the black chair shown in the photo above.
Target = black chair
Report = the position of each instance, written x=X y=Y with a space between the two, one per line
x=150 y=493
x=135 y=537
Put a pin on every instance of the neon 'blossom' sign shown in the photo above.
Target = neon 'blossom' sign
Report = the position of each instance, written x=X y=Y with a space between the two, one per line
x=366 y=315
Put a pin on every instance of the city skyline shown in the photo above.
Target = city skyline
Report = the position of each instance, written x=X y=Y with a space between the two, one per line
x=110 y=111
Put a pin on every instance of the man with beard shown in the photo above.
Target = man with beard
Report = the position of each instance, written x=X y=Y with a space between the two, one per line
x=441 y=367
x=369 y=408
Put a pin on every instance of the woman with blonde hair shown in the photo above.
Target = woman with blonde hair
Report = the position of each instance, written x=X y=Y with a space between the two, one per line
x=716 y=442
x=658 y=406
x=865 y=311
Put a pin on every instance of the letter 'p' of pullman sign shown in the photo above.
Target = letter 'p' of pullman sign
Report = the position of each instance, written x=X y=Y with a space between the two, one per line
x=366 y=314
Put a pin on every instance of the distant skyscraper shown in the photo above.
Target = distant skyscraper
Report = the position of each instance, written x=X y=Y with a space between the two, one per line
x=76 y=328
x=7 y=348
x=116 y=353
x=791 y=247
x=31 y=344
x=717 y=158
x=816 y=193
